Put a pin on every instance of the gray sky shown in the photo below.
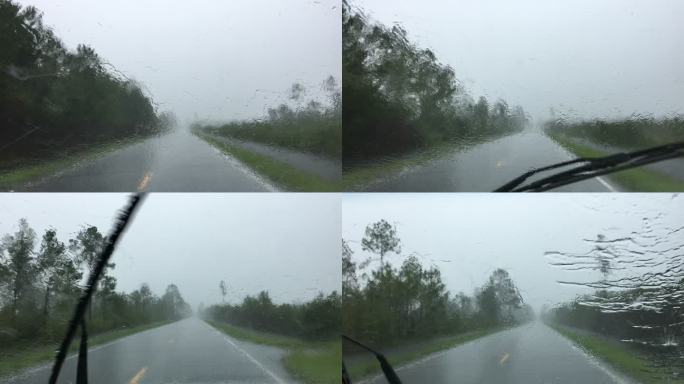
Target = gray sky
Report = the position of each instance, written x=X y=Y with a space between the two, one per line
x=468 y=235
x=585 y=58
x=287 y=244
x=220 y=59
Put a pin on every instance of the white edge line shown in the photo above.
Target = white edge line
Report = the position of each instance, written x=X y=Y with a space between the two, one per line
x=594 y=361
x=250 y=357
x=605 y=184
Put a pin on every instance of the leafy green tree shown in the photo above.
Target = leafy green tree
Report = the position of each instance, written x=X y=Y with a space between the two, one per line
x=51 y=262
x=19 y=266
x=381 y=238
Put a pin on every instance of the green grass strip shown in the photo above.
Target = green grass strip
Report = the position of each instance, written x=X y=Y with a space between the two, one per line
x=619 y=357
x=370 y=366
x=311 y=362
x=15 y=361
x=277 y=172
x=18 y=177
x=633 y=180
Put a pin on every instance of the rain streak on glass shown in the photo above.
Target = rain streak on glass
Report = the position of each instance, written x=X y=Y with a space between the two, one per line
x=466 y=96
x=639 y=297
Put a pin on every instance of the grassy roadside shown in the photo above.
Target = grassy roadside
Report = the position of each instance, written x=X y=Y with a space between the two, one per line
x=18 y=177
x=279 y=173
x=318 y=362
x=619 y=357
x=369 y=365
x=634 y=180
x=12 y=362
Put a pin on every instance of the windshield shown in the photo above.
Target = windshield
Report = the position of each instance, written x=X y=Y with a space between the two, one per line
x=170 y=96
x=466 y=96
x=202 y=288
x=482 y=288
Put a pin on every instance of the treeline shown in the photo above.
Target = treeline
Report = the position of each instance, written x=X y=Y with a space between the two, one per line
x=647 y=319
x=391 y=305
x=53 y=100
x=318 y=319
x=42 y=279
x=633 y=133
x=308 y=126
x=399 y=98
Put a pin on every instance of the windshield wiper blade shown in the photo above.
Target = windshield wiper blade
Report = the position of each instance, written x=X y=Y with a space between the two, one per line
x=122 y=221
x=593 y=167
x=387 y=369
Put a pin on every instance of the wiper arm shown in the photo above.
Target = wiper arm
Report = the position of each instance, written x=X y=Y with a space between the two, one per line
x=77 y=320
x=593 y=167
x=387 y=369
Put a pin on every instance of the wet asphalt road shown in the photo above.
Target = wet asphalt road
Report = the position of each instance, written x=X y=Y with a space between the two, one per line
x=530 y=354
x=176 y=162
x=188 y=351
x=486 y=167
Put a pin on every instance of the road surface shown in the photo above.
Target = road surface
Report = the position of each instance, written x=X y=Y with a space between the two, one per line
x=488 y=166
x=530 y=354
x=176 y=162
x=188 y=351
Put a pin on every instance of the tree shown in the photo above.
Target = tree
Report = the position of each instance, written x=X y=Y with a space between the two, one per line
x=20 y=268
x=87 y=247
x=506 y=293
x=51 y=262
x=224 y=290
x=381 y=238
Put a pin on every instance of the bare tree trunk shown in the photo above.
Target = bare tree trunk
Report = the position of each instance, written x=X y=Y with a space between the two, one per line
x=46 y=301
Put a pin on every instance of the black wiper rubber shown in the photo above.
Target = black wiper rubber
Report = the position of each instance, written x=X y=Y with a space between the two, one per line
x=593 y=167
x=387 y=369
x=122 y=221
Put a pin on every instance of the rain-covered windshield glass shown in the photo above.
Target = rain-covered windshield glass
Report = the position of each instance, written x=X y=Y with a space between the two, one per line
x=482 y=288
x=467 y=95
x=202 y=288
x=170 y=95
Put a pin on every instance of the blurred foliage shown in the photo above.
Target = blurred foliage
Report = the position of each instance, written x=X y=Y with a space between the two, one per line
x=633 y=133
x=53 y=100
x=40 y=286
x=318 y=319
x=393 y=305
x=399 y=98
x=311 y=127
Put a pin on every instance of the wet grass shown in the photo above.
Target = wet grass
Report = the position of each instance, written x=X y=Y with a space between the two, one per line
x=18 y=177
x=284 y=175
x=620 y=357
x=369 y=365
x=632 y=180
x=18 y=359
x=311 y=362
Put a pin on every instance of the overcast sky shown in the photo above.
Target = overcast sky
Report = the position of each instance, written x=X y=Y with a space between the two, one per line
x=288 y=244
x=467 y=236
x=586 y=58
x=219 y=59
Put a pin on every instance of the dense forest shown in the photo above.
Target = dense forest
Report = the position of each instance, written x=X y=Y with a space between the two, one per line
x=54 y=101
x=398 y=98
x=309 y=126
x=389 y=305
x=315 y=320
x=42 y=279
x=634 y=133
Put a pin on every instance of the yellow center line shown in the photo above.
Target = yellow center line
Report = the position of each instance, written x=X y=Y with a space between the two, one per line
x=138 y=376
x=504 y=358
x=145 y=180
